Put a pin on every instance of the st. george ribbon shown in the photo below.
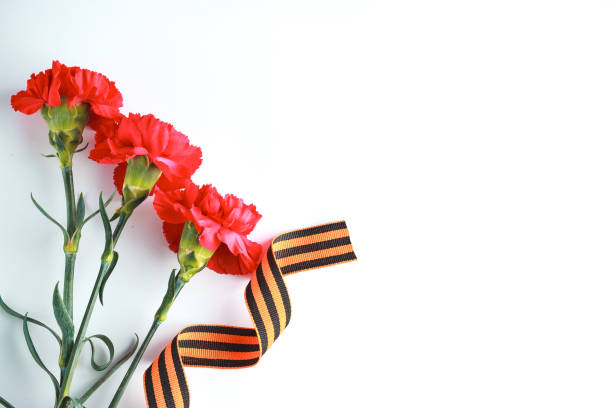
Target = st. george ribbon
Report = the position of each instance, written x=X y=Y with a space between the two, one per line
x=268 y=302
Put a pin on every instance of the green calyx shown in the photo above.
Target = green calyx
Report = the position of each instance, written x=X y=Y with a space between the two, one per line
x=140 y=178
x=66 y=126
x=192 y=256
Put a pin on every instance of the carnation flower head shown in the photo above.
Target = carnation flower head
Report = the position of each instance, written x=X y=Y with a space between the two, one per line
x=73 y=84
x=223 y=223
x=148 y=152
x=145 y=135
x=68 y=98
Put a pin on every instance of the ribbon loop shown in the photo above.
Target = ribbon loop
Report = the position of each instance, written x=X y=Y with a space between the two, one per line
x=268 y=302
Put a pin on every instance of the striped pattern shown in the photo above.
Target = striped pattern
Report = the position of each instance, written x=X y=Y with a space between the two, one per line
x=268 y=302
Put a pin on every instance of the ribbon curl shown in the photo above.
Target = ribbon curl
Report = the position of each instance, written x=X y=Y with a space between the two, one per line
x=268 y=302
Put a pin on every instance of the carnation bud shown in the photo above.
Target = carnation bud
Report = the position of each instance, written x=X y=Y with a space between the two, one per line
x=192 y=256
x=140 y=177
x=66 y=126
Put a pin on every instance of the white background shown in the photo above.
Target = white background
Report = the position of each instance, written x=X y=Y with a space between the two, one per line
x=466 y=143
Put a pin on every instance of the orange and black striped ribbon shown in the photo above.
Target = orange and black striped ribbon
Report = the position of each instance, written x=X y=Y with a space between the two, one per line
x=268 y=302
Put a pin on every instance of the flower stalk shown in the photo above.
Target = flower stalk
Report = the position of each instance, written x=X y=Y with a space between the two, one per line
x=108 y=262
x=5 y=403
x=141 y=176
x=130 y=372
x=66 y=126
x=70 y=199
x=123 y=218
x=192 y=258
x=69 y=281
x=175 y=285
x=80 y=339
x=70 y=247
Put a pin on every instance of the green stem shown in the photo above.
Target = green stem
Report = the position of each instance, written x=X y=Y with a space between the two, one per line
x=5 y=403
x=70 y=202
x=78 y=344
x=123 y=218
x=134 y=365
x=69 y=281
x=157 y=321
x=71 y=228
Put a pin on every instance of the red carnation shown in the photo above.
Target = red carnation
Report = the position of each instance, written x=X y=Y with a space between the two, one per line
x=222 y=221
x=136 y=135
x=42 y=88
x=75 y=84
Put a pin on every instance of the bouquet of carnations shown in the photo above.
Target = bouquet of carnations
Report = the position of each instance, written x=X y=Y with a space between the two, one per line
x=204 y=228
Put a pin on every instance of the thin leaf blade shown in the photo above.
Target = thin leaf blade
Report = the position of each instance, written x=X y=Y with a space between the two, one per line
x=13 y=313
x=34 y=353
x=5 y=403
x=50 y=218
x=125 y=357
x=80 y=210
x=108 y=232
x=65 y=323
x=107 y=275
x=111 y=351
x=93 y=214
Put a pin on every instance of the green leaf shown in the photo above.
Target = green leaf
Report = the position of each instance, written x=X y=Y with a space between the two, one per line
x=50 y=218
x=111 y=351
x=108 y=232
x=65 y=323
x=80 y=210
x=13 y=313
x=36 y=357
x=5 y=403
x=107 y=275
x=172 y=284
x=111 y=370
x=49 y=155
x=169 y=297
x=93 y=214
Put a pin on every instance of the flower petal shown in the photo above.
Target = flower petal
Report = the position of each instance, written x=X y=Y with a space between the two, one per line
x=173 y=233
x=224 y=261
